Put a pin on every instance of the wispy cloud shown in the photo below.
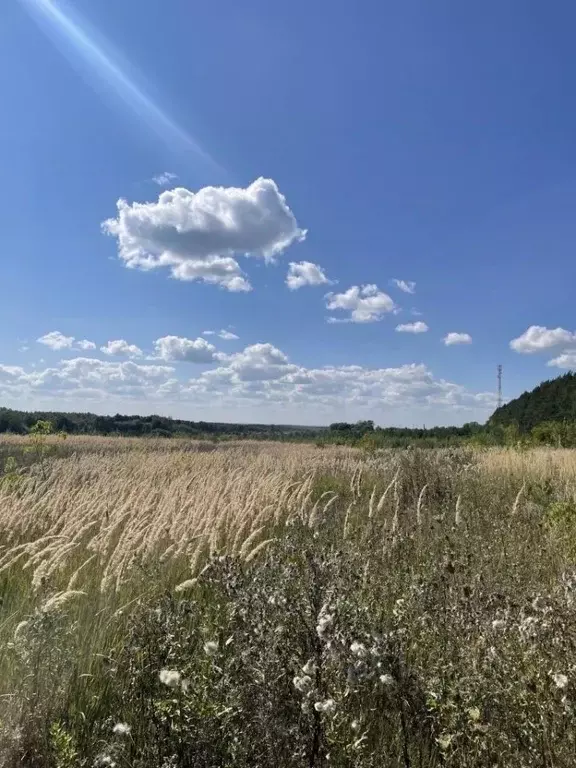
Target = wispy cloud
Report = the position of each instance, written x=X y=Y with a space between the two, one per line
x=417 y=327
x=408 y=286
x=164 y=179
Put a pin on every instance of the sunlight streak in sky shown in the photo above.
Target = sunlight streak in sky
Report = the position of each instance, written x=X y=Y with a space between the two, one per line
x=53 y=19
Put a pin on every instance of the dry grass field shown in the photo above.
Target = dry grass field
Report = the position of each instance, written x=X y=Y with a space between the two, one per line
x=171 y=603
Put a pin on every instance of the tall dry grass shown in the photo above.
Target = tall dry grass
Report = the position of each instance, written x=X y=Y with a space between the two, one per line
x=424 y=554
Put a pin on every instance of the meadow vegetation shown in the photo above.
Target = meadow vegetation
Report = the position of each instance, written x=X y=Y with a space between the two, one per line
x=168 y=603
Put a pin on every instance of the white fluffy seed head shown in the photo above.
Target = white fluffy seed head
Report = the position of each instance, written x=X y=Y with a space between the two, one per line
x=121 y=729
x=170 y=677
x=327 y=707
x=211 y=647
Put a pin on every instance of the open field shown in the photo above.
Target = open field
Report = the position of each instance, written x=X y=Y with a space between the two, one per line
x=172 y=603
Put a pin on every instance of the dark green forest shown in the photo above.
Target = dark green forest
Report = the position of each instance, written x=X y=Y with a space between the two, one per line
x=550 y=401
x=19 y=422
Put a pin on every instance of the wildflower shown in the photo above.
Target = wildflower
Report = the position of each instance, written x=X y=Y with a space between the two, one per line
x=170 y=677
x=560 y=680
x=444 y=741
x=309 y=668
x=498 y=624
x=211 y=647
x=358 y=649
x=355 y=725
x=386 y=679
x=104 y=761
x=328 y=706
x=121 y=729
x=474 y=714
x=324 y=621
x=302 y=684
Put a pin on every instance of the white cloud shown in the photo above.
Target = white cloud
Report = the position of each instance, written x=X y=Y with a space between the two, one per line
x=457 y=338
x=566 y=360
x=537 y=338
x=263 y=374
x=56 y=340
x=85 y=344
x=121 y=347
x=408 y=286
x=88 y=378
x=197 y=234
x=417 y=327
x=216 y=270
x=366 y=304
x=208 y=333
x=164 y=179
x=258 y=382
x=228 y=335
x=178 y=348
x=257 y=362
x=303 y=273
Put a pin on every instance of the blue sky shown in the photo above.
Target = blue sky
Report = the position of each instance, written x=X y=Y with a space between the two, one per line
x=425 y=142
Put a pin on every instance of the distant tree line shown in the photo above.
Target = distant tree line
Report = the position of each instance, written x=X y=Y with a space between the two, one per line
x=20 y=422
x=544 y=416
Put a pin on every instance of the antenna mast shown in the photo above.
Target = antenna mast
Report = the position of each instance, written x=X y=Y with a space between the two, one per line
x=499 y=386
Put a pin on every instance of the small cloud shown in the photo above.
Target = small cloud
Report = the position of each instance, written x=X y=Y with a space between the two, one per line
x=457 y=338
x=566 y=360
x=85 y=344
x=208 y=333
x=408 y=286
x=537 y=338
x=56 y=340
x=303 y=273
x=121 y=347
x=181 y=349
x=164 y=179
x=417 y=327
x=228 y=335
x=366 y=304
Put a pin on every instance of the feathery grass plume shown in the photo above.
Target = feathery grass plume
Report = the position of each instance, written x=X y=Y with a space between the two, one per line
x=516 y=504
x=74 y=578
x=419 y=504
x=347 y=520
x=59 y=600
x=184 y=585
x=257 y=549
x=458 y=511
x=371 y=503
x=314 y=517
x=248 y=543
x=313 y=511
